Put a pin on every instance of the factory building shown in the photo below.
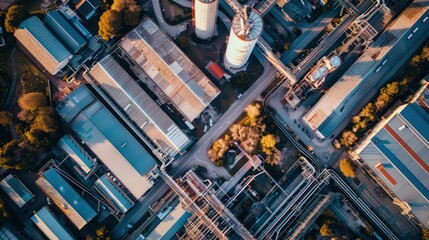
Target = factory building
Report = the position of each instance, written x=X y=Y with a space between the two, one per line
x=143 y=111
x=65 y=31
x=49 y=224
x=34 y=36
x=126 y=158
x=205 y=16
x=397 y=152
x=246 y=28
x=161 y=65
x=16 y=190
x=370 y=71
x=70 y=202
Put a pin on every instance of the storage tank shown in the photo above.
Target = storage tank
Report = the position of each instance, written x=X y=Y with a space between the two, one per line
x=246 y=28
x=205 y=15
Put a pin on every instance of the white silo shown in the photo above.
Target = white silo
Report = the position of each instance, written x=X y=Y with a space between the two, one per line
x=246 y=27
x=205 y=15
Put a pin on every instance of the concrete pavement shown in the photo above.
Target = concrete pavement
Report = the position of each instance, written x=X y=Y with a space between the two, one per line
x=172 y=31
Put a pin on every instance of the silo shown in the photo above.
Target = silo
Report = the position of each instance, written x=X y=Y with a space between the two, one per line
x=246 y=27
x=205 y=15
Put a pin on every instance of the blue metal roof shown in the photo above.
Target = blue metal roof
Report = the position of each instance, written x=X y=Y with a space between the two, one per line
x=73 y=198
x=384 y=148
x=50 y=226
x=418 y=119
x=113 y=144
x=76 y=153
x=176 y=227
x=113 y=193
x=41 y=33
x=16 y=190
x=65 y=31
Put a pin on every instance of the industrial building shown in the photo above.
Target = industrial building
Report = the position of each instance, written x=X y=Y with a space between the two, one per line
x=85 y=163
x=205 y=16
x=143 y=111
x=171 y=222
x=115 y=194
x=246 y=28
x=397 y=152
x=370 y=71
x=34 y=36
x=157 y=59
x=48 y=223
x=65 y=31
x=70 y=202
x=87 y=8
x=16 y=190
x=109 y=140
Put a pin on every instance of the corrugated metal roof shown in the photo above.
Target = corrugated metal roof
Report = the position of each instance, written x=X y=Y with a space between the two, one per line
x=76 y=153
x=169 y=68
x=16 y=190
x=168 y=227
x=66 y=198
x=63 y=28
x=140 y=107
x=344 y=95
x=403 y=151
x=113 y=193
x=50 y=226
x=52 y=45
x=108 y=139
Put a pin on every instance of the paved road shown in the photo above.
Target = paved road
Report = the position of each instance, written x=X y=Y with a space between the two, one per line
x=11 y=92
x=172 y=31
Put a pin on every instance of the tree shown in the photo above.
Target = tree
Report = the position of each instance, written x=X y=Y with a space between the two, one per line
x=14 y=16
x=101 y=232
x=253 y=110
x=326 y=231
x=348 y=138
x=347 y=168
x=44 y=121
x=268 y=143
x=382 y=101
x=129 y=9
x=275 y=158
x=240 y=81
x=32 y=101
x=391 y=89
x=5 y=118
x=25 y=116
x=110 y=24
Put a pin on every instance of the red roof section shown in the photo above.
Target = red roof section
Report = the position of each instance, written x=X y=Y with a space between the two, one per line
x=383 y=171
x=216 y=70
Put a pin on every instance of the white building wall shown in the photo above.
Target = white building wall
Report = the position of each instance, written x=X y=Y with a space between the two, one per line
x=205 y=18
x=238 y=50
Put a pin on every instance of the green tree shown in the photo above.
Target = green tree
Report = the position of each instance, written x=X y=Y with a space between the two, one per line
x=32 y=101
x=14 y=16
x=347 y=168
x=110 y=24
x=5 y=118
x=326 y=230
